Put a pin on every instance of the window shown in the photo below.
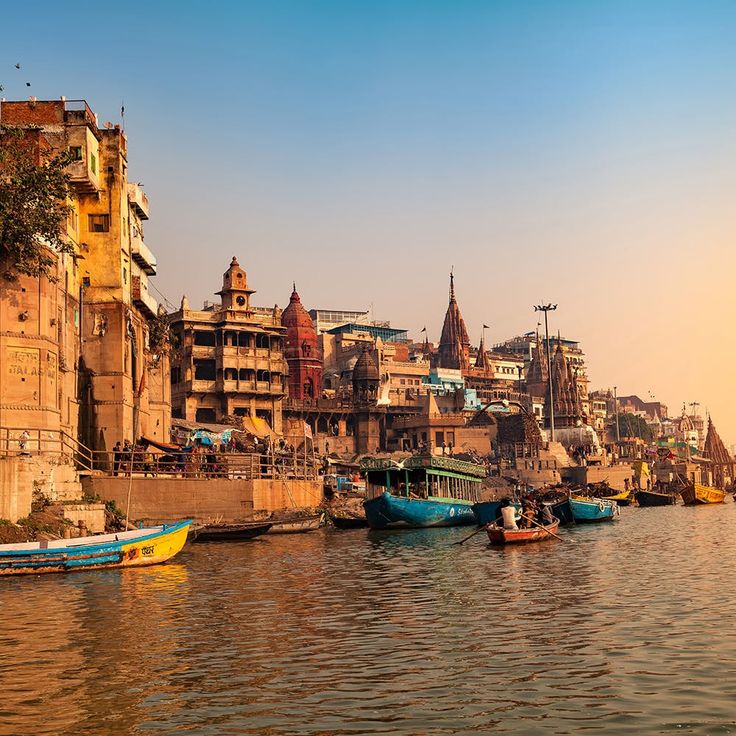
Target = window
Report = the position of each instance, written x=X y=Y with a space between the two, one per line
x=75 y=153
x=205 y=370
x=176 y=375
x=93 y=163
x=72 y=220
x=439 y=438
x=207 y=339
x=99 y=223
x=205 y=415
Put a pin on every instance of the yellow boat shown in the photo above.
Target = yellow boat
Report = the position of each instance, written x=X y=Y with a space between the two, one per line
x=622 y=499
x=148 y=546
x=696 y=494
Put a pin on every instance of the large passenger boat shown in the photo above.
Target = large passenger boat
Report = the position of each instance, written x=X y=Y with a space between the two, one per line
x=421 y=491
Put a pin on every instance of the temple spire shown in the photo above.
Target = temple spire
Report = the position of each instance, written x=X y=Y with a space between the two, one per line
x=452 y=284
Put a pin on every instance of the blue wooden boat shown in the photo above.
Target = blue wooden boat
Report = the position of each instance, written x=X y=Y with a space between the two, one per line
x=563 y=511
x=147 y=546
x=587 y=510
x=421 y=491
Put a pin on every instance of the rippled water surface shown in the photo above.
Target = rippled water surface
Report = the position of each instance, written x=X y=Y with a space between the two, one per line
x=621 y=628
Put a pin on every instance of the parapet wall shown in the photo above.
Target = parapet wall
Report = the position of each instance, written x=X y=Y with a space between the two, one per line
x=164 y=500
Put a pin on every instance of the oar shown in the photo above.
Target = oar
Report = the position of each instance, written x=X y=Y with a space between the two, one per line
x=477 y=531
x=543 y=527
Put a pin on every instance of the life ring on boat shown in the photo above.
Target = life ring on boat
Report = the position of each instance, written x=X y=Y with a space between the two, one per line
x=601 y=506
x=452 y=511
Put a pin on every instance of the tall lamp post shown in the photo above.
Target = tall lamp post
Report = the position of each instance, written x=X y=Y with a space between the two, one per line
x=615 y=409
x=548 y=308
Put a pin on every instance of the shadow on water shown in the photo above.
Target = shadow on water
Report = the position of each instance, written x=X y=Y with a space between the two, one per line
x=621 y=628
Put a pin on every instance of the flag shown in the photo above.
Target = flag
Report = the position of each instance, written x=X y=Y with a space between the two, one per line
x=424 y=329
x=486 y=327
x=307 y=430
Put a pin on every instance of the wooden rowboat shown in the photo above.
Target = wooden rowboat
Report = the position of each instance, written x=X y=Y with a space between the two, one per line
x=652 y=498
x=695 y=494
x=297 y=525
x=622 y=499
x=499 y=535
x=348 y=521
x=229 y=532
x=148 y=546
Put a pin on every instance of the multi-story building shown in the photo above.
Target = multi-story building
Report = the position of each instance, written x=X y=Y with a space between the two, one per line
x=77 y=353
x=229 y=357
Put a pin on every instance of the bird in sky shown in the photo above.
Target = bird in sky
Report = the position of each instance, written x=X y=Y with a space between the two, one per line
x=17 y=66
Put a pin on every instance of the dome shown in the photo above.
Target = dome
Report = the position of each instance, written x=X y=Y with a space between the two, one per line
x=295 y=316
x=365 y=368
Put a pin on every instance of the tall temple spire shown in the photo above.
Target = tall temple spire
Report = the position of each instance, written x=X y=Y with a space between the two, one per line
x=482 y=360
x=454 y=347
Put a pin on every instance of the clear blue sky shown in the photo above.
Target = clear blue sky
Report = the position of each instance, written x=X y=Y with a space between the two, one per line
x=580 y=152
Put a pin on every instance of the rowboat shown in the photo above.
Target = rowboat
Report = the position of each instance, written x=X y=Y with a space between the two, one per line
x=148 y=546
x=421 y=491
x=499 y=535
x=587 y=510
x=296 y=525
x=652 y=498
x=622 y=499
x=695 y=494
x=348 y=521
x=229 y=532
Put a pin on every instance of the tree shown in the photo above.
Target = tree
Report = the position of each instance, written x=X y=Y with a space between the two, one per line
x=632 y=425
x=34 y=191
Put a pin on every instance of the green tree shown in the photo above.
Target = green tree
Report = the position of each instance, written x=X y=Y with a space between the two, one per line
x=34 y=190
x=632 y=425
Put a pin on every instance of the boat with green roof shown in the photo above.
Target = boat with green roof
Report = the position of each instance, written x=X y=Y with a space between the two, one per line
x=421 y=491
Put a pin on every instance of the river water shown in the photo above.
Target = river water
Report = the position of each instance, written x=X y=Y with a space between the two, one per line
x=622 y=628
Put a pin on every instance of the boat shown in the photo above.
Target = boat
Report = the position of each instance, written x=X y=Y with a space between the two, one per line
x=488 y=512
x=147 y=546
x=622 y=499
x=499 y=535
x=587 y=510
x=695 y=494
x=654 y=498
x=561 y=509
x=421 y=491
x=296 y=525
x=347 y=521
x=229 y=532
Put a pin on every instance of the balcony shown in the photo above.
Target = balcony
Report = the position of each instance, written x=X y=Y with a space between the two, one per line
x=141 y=298
x=138 y=201
x=143 y=256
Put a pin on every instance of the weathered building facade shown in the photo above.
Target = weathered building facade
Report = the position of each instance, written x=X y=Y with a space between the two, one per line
x=229 y=357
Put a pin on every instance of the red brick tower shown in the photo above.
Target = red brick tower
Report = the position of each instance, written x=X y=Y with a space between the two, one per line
x=302 y=351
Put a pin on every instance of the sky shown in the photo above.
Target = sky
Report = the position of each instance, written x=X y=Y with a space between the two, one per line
x=580 y=153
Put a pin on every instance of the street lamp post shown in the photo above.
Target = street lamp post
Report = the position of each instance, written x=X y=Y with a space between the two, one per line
x=615 y=409
x=548 y=308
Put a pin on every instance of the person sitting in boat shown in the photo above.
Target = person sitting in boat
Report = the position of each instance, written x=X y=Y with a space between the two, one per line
x=528 y=512
x=509 y=515
x=544 y=515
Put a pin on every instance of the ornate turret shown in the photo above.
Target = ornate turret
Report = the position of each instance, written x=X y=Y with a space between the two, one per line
x=235 y=292
x=454 y=348
x=301 y=351
x=365 y=377
x=536 y=376
x=716 y=452
x=567 y=401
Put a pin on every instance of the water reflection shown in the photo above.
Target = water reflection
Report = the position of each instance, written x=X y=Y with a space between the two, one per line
x=618 y=629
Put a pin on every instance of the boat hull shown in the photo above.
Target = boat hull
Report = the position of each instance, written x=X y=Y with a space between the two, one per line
x=622 y=499
x=126 y=549
x=390 y=512
x=562 y=510
x=650 y=498
x=229 y=532
x=697 y=495
x=586 y=511
x=296 y=526
x=349 y=522
x=499 y=535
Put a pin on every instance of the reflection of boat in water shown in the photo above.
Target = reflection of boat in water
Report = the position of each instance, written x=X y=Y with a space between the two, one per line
x=296 y=524
x=587 y=510
x=229 y=532
x=695 y=494
x=148 y=546
x=654 y=498
x=421 y=491
x=499 y=535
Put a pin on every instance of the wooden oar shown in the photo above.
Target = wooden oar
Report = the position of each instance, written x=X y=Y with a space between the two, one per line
x=477 y=531
x=543 y=528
